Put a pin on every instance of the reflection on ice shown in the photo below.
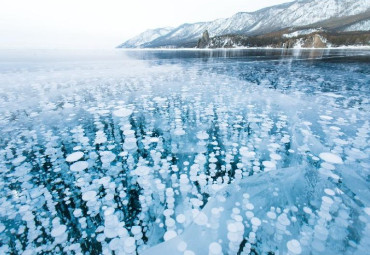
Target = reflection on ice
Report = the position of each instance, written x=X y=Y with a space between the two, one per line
x=189 y=155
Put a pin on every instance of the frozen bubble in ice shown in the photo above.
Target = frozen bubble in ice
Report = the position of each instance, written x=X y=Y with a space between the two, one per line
x=269 y=164
x=201 y=219
x=249 y=214
x=122 y=112
x=169 y=235
x=189 y=252
x=331 y=158
x=154 y=139
x=136 y=230
x=104 y=180
x=249 y=206
x=79 y=166
x=110 y=232
x=24 y=208
x=255 y=221
x=2 y=228
x=28 y=216
x=58 y=230
x=231 y=227
x=275 y=156
x=215 y=249
x=142 y=170
x=328 y=166
x=89 y=195
x=129 y=245
x=329 y=192
x=325 y=117
x=115 y=244
x=367 y=210
x=283 y=219
x=318 y=245
x=327 y=200
x=180 y=218
x=182 y=246
x=77 y=212
x=170 y=222
x=168 y=212
x=245 y=152
x=130 y=241
x=127 y=131
x=271 y=215
x=307 y=210
x=18 y=160
x=294 y=246
x=285 y=139
x=179 y=132
x=202 y=135
x=75 y=156
x=321 y=232
x=340 y=141
x=108 y=211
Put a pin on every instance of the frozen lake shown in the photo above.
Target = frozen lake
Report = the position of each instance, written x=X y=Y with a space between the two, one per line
x=185 y=152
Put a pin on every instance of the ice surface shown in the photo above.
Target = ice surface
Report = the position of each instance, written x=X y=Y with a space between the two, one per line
x=181 y=153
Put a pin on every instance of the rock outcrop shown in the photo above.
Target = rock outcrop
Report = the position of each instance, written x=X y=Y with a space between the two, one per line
x=204 y=40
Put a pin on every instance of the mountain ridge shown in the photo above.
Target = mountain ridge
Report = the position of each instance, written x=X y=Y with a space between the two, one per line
x=291 y=15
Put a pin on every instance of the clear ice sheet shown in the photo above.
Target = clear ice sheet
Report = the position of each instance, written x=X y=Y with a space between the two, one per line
x=185 y=152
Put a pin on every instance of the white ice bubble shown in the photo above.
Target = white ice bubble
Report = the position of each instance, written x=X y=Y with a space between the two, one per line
x=122 y=112
x=269 y=164
x=18 y=160
x=325 y=117
x=79 y=166
x=307 y=210
x=275 y=156
x=115 y=244
x=367 y=210
x=89 y=195
x=255 y=221
x=271 y=215
x=179 y=132
x=142 y=170
x=2 y=228
x=330 y=192
x=169 y=235
x=182 y=246
x=75 y=156
x=331 y=158
x=283 y=219
x=327 y=200
x=202 y=135
x=294 y=246
x=58 y=230
x=201 y=219
x=180 y=218
x=189 y=252
x=215 y=249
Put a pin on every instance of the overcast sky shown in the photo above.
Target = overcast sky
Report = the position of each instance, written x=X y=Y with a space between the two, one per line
x=104 y=24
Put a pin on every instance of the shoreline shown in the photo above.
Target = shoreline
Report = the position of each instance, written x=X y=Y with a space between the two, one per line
x=245 y=48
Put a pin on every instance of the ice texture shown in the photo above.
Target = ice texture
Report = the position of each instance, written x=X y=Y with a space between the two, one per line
x=181 y=152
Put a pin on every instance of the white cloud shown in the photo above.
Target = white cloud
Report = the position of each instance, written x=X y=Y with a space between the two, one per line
x=103 y=24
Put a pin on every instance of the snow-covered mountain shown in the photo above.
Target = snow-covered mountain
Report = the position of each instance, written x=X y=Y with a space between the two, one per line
x=299 y=13
x=147 y=36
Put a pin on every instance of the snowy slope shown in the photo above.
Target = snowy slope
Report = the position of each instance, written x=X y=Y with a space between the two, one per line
x=147 y=36
x=294 y=14
x=359 y=26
